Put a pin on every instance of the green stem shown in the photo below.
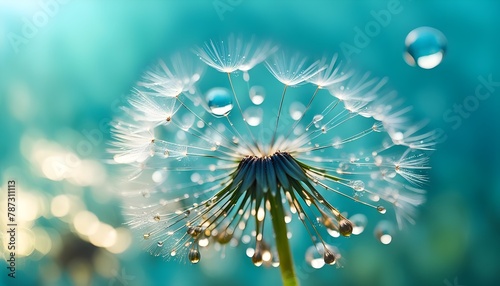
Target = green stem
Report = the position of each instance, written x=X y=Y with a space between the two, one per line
x=280 y=231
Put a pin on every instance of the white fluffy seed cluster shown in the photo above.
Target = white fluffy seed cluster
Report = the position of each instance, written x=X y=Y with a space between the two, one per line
x=210 y=139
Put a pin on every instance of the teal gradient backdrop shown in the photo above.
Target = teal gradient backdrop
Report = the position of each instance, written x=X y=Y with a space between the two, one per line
x=63 y=76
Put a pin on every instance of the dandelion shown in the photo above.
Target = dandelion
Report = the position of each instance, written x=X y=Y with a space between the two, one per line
x=213 y=167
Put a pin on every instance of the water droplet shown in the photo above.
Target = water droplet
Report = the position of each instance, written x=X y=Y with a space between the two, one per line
x=257 y=258
x=146 y=235
x=317 y=118
x=296 y=110
x=160 y=243
x=329 y=257
x=246 y=76
x=381 y=209
x=425 y=47
x=384 y=232
x=257 y=94
x=253 y=115
x=224 y=237
x=345 y=227
x=219 y=101
x=156 y=217
x=159 y=176
x=194 y=255
x=314 y=257
x=166 y=154
x=194 y=231
x=358 y=185
x=359 y=222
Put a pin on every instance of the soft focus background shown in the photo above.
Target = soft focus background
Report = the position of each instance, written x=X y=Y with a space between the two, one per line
x=65 y=66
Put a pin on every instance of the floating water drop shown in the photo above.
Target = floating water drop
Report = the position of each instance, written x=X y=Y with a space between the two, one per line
x=384 y=232
x=314 y=257
x=246 y=76
x=257 y=94
x=359 y=221
x=159 y=176
x=425 y=47
x=381 y=209
x=253 y=115
x=146 y=235
x=156 y=217
x=160 y=243
x=219 y=101
x=296 y=110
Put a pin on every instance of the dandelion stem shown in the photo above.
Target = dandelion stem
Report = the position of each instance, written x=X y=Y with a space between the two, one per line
x=282 y=245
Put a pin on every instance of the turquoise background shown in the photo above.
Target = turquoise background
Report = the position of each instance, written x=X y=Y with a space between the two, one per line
x=69 y=77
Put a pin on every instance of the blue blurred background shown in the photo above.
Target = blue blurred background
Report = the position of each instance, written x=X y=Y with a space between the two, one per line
x=65 y=67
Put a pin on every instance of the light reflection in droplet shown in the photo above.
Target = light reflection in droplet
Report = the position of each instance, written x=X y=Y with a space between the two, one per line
x=425 y=47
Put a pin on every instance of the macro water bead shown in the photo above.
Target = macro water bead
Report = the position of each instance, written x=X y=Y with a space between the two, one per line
x=425 y=47
x=217 y=159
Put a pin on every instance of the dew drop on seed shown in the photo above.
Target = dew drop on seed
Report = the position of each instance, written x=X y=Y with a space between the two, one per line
x=219 y=101
x=329 y=258
x=253 y=115
x=257 y=94
x=194 y=255
x=359 y=222
x=345 y=227
x=425 y=47
x=296 y=110
x=384 y=232
x=358 y=185
x=317 y=118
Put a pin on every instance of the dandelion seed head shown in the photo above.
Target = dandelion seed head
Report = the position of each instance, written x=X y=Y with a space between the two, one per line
x=212 y=158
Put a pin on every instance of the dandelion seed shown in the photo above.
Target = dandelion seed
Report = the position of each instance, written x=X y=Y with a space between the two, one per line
x=210 y=171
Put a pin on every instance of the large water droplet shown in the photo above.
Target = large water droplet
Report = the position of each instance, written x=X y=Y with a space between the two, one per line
x=296 y=110
x=345 y=227
x=317 y=256
x=253 y=115
x=358 y=185
x=257 y=94
x=314 y=257
x=425 y=47
x=384 y=232
x=194 y=255
x=359 y=221
x=219 y=101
